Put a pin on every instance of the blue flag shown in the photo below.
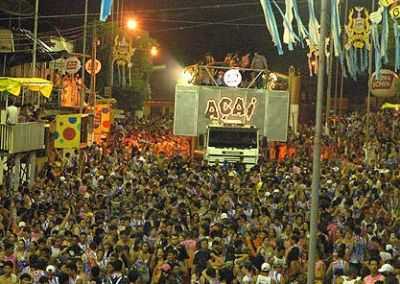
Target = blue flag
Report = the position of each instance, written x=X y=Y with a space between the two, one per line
x=106 y=8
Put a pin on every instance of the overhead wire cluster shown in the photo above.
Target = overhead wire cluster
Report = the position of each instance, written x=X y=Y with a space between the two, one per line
x=146 y=15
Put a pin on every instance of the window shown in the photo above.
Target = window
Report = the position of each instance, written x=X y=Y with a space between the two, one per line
x=232 y=138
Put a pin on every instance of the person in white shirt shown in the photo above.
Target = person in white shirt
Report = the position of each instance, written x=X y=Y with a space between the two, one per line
x=263 y=277
x=12 y=114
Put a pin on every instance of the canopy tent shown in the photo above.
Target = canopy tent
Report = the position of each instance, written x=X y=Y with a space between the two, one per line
x=14 y=85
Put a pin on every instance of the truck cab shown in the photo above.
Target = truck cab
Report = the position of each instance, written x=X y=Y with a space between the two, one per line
x=232 y=144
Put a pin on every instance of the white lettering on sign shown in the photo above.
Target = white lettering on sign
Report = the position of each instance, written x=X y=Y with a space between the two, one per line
x=226 y=107
x=385 y=82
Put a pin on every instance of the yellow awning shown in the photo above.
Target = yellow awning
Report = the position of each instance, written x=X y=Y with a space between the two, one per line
x=391 y=106
x=14 y=85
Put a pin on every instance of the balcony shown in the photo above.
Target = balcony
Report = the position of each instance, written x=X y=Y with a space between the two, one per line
x=22 y=137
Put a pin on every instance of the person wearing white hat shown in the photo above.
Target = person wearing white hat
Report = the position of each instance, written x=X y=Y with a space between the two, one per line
x=263 y=277
x=51 y=275
x=387 y=270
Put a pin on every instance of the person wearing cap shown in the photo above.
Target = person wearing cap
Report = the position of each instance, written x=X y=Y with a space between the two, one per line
x=51 y=275
x=387 y=271
x=263 y=277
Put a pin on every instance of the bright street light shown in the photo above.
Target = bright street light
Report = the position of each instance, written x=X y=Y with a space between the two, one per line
x=132 y=24
x=154 y=51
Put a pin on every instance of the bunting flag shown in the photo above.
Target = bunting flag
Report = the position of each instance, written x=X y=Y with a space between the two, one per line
x=68 y=131
x=272 y=27
x=336 y=28
x=301 y=29
x=385 y=36
x=313 y=24
x=106 y=9
x=397 y=46
x=289 y=36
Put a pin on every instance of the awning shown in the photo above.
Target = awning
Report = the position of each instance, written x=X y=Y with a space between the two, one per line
x=14 y=85
x=18 y=58
x=391 y=106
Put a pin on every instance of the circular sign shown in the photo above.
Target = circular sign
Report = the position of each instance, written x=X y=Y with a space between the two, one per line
x=89 y=68
x=72 y=65
x=232 y=78
x=385 y=84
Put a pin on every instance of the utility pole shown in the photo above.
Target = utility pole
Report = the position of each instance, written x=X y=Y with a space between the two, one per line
x=317 y=146
x=93 y=67
x=346 y=12
x=83 y=89
x=329 y=88
x=369 y=76
x=35 y=38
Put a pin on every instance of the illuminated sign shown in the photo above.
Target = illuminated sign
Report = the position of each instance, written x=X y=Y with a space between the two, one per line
x=232 y=78
x=227 y=108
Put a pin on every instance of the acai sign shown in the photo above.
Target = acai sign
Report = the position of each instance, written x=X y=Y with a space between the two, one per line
x=385 y=84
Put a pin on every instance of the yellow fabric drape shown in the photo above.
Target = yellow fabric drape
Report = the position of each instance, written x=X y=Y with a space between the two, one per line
x=14 y=85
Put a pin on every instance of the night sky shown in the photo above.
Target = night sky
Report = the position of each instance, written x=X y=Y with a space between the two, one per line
x=185 y=29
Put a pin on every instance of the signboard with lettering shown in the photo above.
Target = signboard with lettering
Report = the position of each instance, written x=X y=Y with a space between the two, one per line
x=72 y=65
x=385 y=84
x=196 y=107
x=90 y=68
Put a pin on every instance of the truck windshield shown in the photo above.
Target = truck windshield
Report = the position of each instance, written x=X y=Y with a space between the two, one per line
x=232 y=138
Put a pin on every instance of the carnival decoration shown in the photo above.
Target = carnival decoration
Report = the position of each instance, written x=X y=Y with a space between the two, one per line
x=68 y=131
x=336 y=30
x=272 y=27
x=313 y=25
x=313 y=57
x=393 y=6
x=122 y=55
x=105 y=9
x=291 y=13
x=357 y=44
x=102 y=121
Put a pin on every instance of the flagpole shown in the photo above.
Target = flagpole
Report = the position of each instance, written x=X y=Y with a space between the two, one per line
x=83 y=89
x=312 y=251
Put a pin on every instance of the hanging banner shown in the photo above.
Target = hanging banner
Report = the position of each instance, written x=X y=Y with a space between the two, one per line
x=71 y=89
x=102 y=121
x=385 y=84
x=68 y=131
x=105 y=9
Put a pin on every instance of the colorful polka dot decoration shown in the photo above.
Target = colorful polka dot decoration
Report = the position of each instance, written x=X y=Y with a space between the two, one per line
x=67 y=134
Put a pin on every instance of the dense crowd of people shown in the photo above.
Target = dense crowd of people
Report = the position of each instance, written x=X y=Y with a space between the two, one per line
x=134 y=215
